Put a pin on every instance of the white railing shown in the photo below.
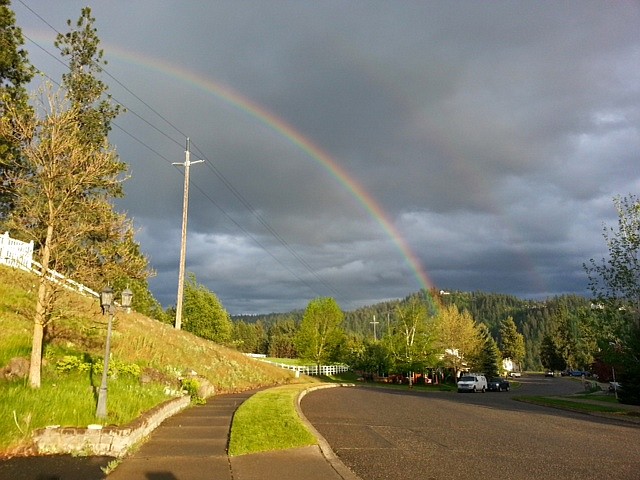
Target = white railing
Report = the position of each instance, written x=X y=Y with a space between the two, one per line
x=18 y=254
x=60 y=279
x=312 y=369
x=15 y=253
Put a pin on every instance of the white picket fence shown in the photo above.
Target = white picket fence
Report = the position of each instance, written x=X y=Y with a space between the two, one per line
x=17 y=254
x=312 y=369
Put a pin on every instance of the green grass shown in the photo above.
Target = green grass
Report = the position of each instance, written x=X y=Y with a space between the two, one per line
x=287 y=361
x=268 y=421
x=598 y=397
x=69 y=400
x=79 y=330
x=567 y=404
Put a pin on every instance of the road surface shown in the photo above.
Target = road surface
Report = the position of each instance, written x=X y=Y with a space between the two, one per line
x=389 y=434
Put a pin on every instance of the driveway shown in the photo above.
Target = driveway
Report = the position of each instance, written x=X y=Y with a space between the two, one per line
x=390 y=434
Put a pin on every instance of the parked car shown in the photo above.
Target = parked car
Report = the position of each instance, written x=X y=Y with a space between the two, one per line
x=472 y=383
x=498 y=385
x=548 y=373
x=515 y=374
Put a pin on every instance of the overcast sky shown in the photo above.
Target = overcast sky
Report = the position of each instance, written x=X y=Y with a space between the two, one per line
x=351 y=145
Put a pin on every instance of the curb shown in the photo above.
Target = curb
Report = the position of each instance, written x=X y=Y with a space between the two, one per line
x=110 y=441
x=341 y=469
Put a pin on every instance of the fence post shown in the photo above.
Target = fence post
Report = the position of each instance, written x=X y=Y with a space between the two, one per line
x=4 y=241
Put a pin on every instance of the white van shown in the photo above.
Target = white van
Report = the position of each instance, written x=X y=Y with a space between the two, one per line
x=472 y=382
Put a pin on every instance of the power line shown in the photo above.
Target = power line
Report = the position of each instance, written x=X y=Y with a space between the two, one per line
x=235 y=192
x=268 y=227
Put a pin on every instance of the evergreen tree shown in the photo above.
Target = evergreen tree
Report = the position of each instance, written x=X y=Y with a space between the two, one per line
x=281 y=338
x=249 y=337
x=65 y=179
x=81 y=47
x=15 y=73
x=95 y=113
x=488 y=359
x=629 y=376
x=512 y=342
x=550 y=353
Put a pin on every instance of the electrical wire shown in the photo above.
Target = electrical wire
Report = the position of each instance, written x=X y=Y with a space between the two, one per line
x=210 y=165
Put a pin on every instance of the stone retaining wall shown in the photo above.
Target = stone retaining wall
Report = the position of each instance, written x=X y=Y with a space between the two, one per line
x=111 y=441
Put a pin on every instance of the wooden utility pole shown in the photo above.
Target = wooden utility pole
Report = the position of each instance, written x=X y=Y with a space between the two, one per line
x=183 y=243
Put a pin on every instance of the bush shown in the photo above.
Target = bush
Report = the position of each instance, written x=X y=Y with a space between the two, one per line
x=630 y=375
x=191 y=386
x=74 y=363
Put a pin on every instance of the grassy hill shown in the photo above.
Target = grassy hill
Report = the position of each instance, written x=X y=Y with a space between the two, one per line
x=147 y=358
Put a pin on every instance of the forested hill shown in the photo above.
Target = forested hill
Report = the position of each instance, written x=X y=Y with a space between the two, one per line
x=534 y=319
x=569 y=315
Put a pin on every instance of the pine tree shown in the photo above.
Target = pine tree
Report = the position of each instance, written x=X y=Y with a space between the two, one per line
x=15 y=73
x=489 y=358
x=81 y=47
x=88 y=95
x=511 y=341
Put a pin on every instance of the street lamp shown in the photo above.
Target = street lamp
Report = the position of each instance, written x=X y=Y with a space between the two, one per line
x=109 y=306
x=126 y=297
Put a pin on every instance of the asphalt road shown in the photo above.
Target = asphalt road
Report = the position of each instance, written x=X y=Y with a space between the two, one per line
x=389 y=434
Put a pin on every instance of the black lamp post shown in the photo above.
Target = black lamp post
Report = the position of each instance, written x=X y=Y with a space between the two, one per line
x=108 y=306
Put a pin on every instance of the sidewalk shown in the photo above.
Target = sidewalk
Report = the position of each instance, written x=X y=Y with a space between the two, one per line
x=192 y=446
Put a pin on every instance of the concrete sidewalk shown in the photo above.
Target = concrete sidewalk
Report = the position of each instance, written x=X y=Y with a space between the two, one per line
x=192 y=445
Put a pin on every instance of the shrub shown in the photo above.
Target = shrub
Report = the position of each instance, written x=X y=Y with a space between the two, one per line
x=191 y=386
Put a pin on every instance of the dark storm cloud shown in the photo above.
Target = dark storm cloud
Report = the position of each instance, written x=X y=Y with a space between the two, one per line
x=492 y=134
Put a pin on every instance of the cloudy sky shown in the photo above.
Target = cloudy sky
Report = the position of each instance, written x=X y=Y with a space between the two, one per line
x=364 y=149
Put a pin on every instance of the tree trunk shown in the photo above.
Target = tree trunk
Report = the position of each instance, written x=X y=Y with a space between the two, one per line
x=38 y=335
x=44 y=296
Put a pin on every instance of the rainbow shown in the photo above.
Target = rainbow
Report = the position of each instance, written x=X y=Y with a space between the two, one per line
x=277 y=124
x=235 y=99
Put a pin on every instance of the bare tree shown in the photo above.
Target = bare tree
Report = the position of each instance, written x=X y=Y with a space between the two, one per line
x=64 y=201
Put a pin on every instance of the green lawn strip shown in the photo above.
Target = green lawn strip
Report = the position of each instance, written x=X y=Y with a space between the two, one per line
x=598 y=397
x=268 y=421
x=573 y=405
x=68 y=401
x=286 y=361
